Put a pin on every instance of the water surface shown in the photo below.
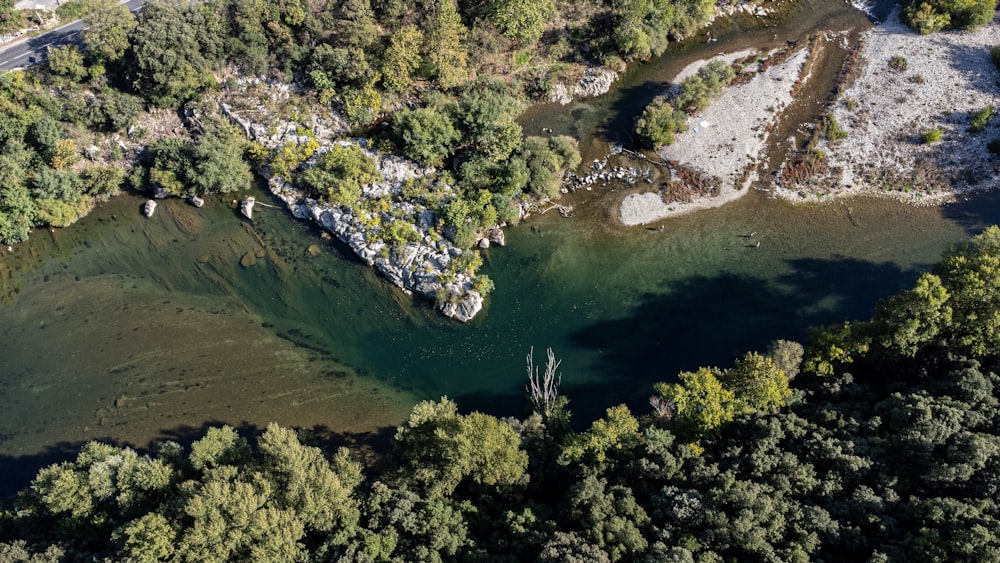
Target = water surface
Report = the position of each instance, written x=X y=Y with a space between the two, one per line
x=137 y=329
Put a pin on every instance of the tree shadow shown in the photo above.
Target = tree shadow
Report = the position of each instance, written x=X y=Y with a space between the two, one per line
x=701 y=320
x=626 y=110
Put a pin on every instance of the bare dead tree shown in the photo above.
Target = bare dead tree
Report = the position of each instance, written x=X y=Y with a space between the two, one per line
x=664 y=408
x=543 y=390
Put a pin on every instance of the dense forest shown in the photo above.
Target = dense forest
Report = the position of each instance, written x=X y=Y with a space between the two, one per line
x=878 y=441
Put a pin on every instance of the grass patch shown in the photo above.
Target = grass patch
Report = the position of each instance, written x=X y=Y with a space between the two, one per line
x=898 y=63
x=931 y=136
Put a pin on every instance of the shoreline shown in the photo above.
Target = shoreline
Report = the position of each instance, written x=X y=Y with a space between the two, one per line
x=726 y=141
x=943 y=79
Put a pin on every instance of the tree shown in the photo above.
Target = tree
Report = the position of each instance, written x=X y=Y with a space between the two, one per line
x=402 y=58
x=218 y=163
x=425 y=135
x=107 y=26
x=757 y=381
x=305 y=481
x=659 y=122
x=701 y=403
x=487 y=115
x=521 y=20
x=171 y=60
x=441 y=448
x=339 y=174
x=445 y=45
x=67 y=61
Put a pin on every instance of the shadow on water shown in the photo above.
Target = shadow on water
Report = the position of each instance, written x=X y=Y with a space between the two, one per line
x=667 y=333
x=627 y=108
x=976 y=212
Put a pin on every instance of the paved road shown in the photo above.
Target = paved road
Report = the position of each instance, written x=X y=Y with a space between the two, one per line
x=32 y=51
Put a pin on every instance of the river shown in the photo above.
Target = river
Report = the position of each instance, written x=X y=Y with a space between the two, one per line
x=132 y=329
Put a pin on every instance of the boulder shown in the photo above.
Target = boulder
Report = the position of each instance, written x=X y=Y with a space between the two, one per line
x=496 y=236
x=484 y=243
x=148 y=208
x=246 y=207
x=464 y=309
x=196 y=201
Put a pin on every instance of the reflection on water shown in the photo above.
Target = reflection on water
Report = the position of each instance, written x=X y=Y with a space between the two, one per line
x=134 y=329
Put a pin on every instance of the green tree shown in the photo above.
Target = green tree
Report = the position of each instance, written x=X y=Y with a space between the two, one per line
x=218 y=163
x=306 y=482
x=659 y=122
x=441 y=448
x=67 y=61
x=915 y=318
x=148 y=538
x=339 y=174
x=425 y=135
x=445 y=46
x=402 y=58
x=107 y=26
x=521 y=20
x=757 y=381
x=701 y=402
x=172 y=56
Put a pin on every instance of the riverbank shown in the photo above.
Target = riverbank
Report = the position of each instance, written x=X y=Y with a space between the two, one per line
x=905 y=85
x=726 y=140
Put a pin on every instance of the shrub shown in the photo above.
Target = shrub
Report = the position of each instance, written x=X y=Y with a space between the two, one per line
x=831 y=129
x=931 y=136
x=697 y=91
x=898 y=63
x=659 y=122
x=981 y=119
x=928 y=16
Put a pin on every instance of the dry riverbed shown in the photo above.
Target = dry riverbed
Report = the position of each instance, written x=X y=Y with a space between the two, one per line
x=938 y=82
x=726 y=140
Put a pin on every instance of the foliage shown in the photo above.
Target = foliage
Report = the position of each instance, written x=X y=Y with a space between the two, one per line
x=426 y=135
x=659 y=122
x=445 y=46
x=67 y=61
x=929 y=16
x=521 y=20
x=981 y=119
x=402 y=57
x=931 y=136
x=898 y=63
x=697 y=91
x=338 y=175
x=172 y=52
x=107 y=26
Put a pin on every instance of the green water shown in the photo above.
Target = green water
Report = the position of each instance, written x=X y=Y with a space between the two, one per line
x=135 y=329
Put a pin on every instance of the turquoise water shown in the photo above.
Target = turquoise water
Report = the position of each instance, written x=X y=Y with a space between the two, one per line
x=133 y=330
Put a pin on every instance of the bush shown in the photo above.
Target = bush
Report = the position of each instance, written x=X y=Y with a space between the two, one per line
x=981 y=119
x=931 y=136
x=831 y=129
x=898 y=63
x=659 y=122
x=697 y=91
x=425 y=135
x=929 y=16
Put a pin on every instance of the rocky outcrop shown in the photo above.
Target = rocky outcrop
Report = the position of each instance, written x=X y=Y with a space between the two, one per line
x=420 y=267
x=426 y=266
x=595 y=81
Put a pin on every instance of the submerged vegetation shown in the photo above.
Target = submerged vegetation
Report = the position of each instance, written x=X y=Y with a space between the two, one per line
x=876 y=442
